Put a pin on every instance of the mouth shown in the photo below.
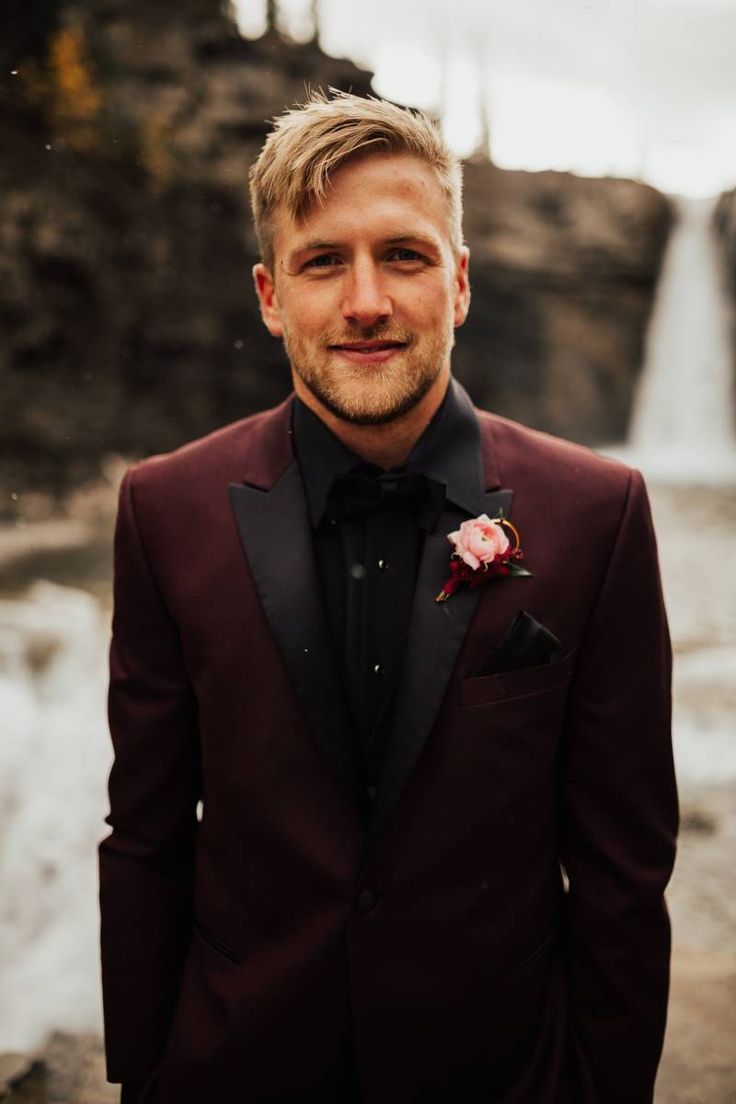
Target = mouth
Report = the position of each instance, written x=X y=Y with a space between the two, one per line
x=368 y=352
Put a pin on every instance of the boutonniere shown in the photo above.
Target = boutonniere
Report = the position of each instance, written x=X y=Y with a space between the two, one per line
x=482 y=550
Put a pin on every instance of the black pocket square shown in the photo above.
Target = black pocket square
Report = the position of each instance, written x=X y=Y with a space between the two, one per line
x=527 y=643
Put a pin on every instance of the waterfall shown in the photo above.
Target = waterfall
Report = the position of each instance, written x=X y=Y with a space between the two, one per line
x=683 y=427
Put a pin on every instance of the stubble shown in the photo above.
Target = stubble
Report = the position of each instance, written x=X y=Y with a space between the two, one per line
x=374 y=394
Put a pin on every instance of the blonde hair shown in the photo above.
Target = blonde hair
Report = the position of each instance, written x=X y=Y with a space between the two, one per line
x=313 y=139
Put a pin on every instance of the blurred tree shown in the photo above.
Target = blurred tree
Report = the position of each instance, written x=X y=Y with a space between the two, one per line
x=56 y=73
x=75 y=97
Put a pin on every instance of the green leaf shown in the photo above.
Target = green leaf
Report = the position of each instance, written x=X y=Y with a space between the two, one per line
x=515 y=569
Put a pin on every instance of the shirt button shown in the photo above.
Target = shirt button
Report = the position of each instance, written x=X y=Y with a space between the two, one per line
x=377 y=669
x=383 y=565
x=367 y=900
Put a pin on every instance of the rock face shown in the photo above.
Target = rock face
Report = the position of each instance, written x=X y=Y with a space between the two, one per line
x=563 y=271
x=128 y=317
x=126 y=301
x=68 y=1068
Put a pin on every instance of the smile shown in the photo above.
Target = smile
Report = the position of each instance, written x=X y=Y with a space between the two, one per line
x=368 y=352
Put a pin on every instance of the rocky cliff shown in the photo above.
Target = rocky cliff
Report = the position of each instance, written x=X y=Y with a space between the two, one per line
x=129 y=322
x=564 y=270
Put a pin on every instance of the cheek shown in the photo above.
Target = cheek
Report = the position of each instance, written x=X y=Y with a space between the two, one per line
x=426 y=298
x=434 y=302
x=435 y=312
x=304 y=316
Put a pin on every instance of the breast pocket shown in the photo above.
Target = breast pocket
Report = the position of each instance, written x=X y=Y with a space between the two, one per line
x=507 y=685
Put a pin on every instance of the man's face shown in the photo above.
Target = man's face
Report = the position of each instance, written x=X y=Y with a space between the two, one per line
x=367 y=289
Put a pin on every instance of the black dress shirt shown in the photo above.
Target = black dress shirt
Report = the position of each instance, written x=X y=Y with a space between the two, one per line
x=368 y=566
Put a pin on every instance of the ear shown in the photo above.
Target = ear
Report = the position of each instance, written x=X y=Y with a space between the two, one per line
x=462 y=287
x=268 y=300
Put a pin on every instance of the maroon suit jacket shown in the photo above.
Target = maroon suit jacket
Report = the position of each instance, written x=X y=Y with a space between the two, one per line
x=238 y=949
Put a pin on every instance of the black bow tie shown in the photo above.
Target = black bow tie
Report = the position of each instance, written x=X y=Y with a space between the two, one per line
x=357 y=494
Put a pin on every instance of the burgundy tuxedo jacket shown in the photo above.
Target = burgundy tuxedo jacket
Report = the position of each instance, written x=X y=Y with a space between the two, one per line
x=499 y=933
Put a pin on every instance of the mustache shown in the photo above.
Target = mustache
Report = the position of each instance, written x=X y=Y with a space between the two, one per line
x=379 y=332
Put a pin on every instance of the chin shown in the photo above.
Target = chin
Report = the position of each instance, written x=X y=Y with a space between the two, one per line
x=369 y=401
x=359 y=410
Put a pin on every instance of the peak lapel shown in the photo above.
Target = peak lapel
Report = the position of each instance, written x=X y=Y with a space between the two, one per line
x=276 y=535
x=436 y=634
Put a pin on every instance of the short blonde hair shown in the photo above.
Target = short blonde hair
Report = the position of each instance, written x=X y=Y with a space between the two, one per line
x=313 y=139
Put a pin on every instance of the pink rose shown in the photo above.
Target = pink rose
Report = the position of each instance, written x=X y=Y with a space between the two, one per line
x=479 y=541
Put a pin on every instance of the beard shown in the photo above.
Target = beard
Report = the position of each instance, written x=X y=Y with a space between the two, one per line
x=374 y=394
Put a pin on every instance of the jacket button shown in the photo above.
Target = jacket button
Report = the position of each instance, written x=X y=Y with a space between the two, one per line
x=367 y=899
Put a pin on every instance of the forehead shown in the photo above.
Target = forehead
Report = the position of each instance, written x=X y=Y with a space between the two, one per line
x=390 y=193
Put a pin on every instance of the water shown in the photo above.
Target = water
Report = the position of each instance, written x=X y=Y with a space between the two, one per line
x=683 y=428
x=683 y=438
x=696 y=530
x=54 y=759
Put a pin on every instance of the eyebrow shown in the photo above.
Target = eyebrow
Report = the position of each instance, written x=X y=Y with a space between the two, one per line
x=398 y=239
x=317 y=245
x=401 y=238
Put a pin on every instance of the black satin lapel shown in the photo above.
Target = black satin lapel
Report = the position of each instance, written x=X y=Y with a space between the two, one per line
x=277 y=539
x=436 y=634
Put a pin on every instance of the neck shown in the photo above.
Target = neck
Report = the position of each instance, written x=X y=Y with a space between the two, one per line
x=387 y=445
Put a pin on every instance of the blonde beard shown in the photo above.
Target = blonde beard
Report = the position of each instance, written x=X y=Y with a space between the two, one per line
x=372 y=395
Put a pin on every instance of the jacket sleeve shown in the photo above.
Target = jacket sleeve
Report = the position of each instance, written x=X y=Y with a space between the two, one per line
x=619 y=824
x=146 y=862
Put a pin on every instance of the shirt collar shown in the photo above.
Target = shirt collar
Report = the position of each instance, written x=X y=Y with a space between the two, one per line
x=449 y=449
x=321 y=457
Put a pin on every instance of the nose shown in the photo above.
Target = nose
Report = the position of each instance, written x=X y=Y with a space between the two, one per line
x=366 y=301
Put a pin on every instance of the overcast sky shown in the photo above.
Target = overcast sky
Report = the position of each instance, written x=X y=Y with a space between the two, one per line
x=643 y=88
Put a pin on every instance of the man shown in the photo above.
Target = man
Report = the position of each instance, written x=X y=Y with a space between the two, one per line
x=435 y=835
